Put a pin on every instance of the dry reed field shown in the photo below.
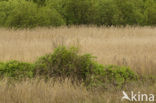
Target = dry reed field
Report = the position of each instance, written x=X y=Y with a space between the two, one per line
x=39 y=91
x=132 y=46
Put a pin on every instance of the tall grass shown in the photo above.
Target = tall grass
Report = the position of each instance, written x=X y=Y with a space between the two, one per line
x=39 y=91
x=132 y=46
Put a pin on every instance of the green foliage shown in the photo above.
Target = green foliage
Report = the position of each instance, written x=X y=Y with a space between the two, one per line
x=79 y=11
x=129 y=13
x=59 y=5
x=32 y=13
x=24 y=14
x=75 y=11
x=107 y=13
x=5 y=10
x=115 y=75
x=49 y=17
x=1 y=68
x=150 y=12
x=119 y=74
x=39 y=2
x=66 y=63
x=16 y=69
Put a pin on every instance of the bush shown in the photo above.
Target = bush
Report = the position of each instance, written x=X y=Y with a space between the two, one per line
x=16 y=69
x=114 y=75
x=68 y=63
x=1 y=68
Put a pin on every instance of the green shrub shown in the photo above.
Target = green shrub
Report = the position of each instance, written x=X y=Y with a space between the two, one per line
x=119 y=74
x=1 y=68
x=66 y=63
x=16 y=69
x=114 y=75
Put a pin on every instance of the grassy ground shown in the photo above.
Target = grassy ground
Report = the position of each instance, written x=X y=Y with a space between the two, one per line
x=131 y=46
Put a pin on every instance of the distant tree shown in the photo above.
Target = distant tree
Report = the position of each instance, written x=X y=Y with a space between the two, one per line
x=150 y=12
x=129 y=13
x=107 y=13
x=79 y=11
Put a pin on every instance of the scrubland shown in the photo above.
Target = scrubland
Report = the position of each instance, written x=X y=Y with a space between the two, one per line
x=134 y=47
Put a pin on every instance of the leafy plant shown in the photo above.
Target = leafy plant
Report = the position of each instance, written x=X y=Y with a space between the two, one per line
x=66 y=63
x=16 y=69
x=114 y=75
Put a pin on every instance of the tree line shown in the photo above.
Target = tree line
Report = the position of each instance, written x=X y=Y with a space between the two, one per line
x=32 y=13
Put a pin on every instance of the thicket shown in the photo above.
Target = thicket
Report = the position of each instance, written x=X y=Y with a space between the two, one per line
x=32 y=13
x=68 y=63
